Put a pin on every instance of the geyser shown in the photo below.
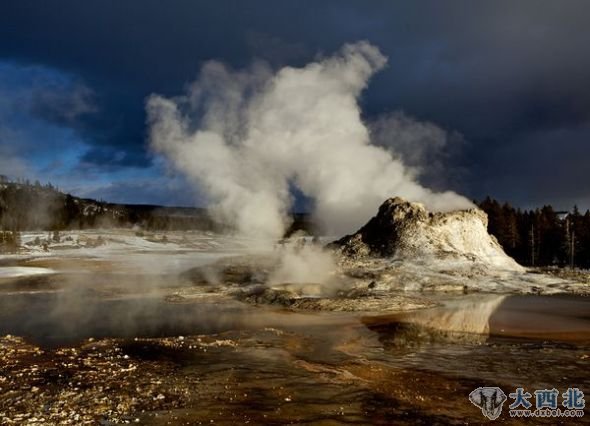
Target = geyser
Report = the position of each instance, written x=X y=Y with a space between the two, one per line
x=407 y=232
x=244 y=137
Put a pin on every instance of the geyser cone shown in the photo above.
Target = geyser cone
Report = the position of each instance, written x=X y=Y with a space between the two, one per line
x=407 y=231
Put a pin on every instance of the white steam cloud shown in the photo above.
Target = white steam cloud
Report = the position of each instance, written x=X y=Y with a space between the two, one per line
x=245 y=137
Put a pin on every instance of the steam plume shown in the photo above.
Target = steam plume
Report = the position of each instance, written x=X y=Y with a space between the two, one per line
x=244 y=137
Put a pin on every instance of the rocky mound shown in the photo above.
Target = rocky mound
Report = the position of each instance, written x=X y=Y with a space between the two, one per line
x=406 y=231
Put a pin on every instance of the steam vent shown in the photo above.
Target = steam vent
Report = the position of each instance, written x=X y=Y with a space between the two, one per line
x=406 y=231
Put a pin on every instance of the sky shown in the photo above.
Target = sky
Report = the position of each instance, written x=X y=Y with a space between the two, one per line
x=507 y=81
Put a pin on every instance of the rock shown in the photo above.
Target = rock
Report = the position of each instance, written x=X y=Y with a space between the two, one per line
x=402 y=230
x=265 y=295
x=242 y=270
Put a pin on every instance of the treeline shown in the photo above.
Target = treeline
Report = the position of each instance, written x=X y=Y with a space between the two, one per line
x=540 y=237
x=27 y=207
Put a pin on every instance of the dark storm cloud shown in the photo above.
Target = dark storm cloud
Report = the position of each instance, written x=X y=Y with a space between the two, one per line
x=39 y=109
x=510 y=77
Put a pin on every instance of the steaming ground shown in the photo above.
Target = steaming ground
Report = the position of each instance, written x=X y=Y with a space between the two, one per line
x=221 y=264
x=196 y=327
x=123 y=250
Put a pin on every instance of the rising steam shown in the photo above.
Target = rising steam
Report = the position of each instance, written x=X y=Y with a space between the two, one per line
x=244 y=137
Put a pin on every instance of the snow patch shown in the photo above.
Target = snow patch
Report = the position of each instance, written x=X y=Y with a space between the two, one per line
x=23 y=271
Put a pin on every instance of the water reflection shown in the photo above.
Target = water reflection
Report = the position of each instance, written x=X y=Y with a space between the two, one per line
x=525 y=340
x=466 y=319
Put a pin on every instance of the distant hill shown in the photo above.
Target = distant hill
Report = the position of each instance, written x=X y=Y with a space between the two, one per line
x=25 y=206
